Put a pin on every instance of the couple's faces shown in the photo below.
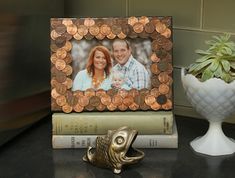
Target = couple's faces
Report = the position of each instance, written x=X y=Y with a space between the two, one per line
x=120 y=52
x=100 y=61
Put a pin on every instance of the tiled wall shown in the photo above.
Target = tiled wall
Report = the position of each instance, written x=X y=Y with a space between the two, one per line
x=194 y=21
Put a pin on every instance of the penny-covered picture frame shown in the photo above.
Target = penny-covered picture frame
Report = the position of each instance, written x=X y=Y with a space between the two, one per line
x=111 y=64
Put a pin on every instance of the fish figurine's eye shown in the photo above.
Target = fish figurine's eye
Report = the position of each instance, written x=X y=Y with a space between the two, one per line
x=119 y=140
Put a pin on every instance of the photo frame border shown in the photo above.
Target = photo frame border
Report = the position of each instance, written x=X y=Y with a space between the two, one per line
x=157 y=29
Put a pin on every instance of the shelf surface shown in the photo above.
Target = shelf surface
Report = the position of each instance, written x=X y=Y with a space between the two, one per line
x=30 y=155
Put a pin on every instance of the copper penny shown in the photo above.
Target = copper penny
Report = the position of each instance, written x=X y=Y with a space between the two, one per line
x=154 y=68
x=128 y=100
x=154 y=81
x=111 y=36
x=122 y=107
x=167 y=45
x=155 y=45
x=106 y=99
x=133 y=92
x=72 y=29
x=78 y=108
x=71 y=100
x=89 y=22
x=138 y=27
x=143 y=34
x=154 y=92
x=89 y=92
x=53 y=82
x=144 y=106
x=144 y=20
x=134 y=106
x=77 y=36
x=105 y=29
x=116 y=29
x=54 y=105
x=101 y=107
x=160 y=27
x=167 y=105
x=55 y=22
x=53 y=46
x=82 y=30
x=61 y=100
x=169 y=68
x=121 y=35
x=161 y=99
x=100 y=36
x=162 y=65
x=67 y=36
x=68 y=58
x=60 y=29
x=68 y=70
x=67 y=21
x=53 y=58
x=132 y=20
x=117 y=100
x=155 y=106
x=68 y=46
x=94 y=30
x=100 y=93
x=132 y=34
x=89 y=107
x=60 y=41
x=111 y=92
x=163 y=77
x=60 y=77
x=170 y=81
x=111 y=107
x=166 y=21
x=154 y=57
x=167 y=33
x=163 y=88
x=78 y=93
x=155 y=35
x=54 y=93
x=68 y=83
x=161 y=53
x=60 y=64
x=123 y=93
x=126 y=28
x=61 y=53
x=149 y=27
x=150 y=99
x=67 y=109
x=95 y=101
x=83 y=101
x=61 y=88
x=89 y=36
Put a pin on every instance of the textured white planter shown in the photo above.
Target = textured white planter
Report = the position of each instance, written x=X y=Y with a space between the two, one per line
x=215 y=100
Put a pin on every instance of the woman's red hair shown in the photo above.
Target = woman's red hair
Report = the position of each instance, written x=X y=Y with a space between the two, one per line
x=90 y=63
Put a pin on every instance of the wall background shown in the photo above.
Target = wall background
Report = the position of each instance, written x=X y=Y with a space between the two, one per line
x=194 y=21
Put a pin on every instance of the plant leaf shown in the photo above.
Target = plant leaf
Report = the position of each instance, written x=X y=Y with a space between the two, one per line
x=214 y=65
x=226 y=65
x=226 y=77
x=218 y=73
x=232 y=64
x=207 y=74
x=201 y=52
x=204 y=58
x=203 y=64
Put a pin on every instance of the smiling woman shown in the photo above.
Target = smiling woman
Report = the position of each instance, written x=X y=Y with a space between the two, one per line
x=97 y=72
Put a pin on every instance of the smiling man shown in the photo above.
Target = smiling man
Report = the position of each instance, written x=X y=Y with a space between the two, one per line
x=136 y=76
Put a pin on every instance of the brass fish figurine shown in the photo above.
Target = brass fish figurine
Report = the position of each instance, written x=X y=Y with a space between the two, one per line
x=114 y=150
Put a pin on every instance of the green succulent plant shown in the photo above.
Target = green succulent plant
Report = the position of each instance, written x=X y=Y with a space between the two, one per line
x=217 y=61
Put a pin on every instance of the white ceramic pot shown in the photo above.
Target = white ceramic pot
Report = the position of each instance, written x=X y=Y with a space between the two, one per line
x=214 y=99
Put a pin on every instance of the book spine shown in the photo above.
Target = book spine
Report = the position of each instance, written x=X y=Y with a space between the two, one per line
x=98 y=125
x=142 y=141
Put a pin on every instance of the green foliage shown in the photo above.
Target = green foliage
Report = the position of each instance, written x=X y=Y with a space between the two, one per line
x=217 y=61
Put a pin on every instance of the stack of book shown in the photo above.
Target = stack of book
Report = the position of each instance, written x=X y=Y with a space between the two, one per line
x=155 y=129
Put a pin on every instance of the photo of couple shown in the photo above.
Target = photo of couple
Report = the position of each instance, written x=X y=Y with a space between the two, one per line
x=100 y=73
